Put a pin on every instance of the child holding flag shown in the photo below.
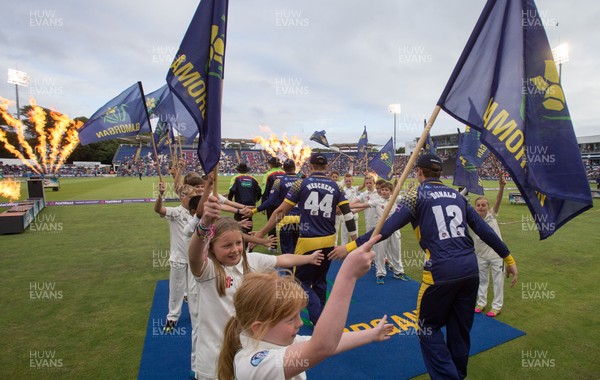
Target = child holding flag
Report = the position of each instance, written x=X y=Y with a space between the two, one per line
x=178 y=218
x=219 y=262
x=487 y=258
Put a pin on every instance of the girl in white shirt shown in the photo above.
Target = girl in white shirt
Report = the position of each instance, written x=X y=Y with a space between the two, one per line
x=218 y=262
x=260 y=340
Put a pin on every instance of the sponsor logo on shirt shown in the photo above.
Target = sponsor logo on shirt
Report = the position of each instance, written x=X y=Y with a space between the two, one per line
x=258 y=357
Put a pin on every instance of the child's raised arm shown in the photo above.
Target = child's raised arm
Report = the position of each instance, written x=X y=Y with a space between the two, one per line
x=158 y=205
x=501 y=183
x=198 y=248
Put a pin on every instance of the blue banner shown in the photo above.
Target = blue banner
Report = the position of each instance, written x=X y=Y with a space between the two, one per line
x=172 y=112
x=472 y=149
x=196 y=76
x=383 y=162
x=361 y=147
x=465 y=173
x=123 y=116
x=319 y=137
x=506 y=85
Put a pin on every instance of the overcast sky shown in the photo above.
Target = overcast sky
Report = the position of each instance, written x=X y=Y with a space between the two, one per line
x=291 y=67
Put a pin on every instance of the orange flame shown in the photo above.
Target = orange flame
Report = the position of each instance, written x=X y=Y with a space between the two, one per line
x=294 y=148
x=10 y=189
x=63 y=138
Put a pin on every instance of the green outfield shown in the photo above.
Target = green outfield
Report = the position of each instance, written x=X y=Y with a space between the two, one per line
x=78 y=286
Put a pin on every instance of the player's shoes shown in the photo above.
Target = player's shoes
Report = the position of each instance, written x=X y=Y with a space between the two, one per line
x=168 y=328
x=479 y=309
x=492 y=313
x=380 y=280
x=401 y=276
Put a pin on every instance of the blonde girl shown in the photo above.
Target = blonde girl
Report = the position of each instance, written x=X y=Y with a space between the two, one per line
x=218 y=262
x=261 y=341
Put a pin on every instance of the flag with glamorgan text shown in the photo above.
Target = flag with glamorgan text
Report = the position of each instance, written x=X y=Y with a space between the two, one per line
x=507 y=86
x=196 y=76
x=123 y=116
x=383 y=162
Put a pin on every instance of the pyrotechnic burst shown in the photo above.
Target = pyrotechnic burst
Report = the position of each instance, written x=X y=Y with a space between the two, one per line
x=53 y=146
x=10 y=189
x=285 y=148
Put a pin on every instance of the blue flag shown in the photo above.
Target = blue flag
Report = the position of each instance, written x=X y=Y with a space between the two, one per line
x=319 y=136
x=123 y=116
x=361 y=147
x=506 y=86
x=153 y=99
x=163 y=135
x=472 y=149
x=174 y=113
x=196 y=76
x=466 y=172
x=383 y=162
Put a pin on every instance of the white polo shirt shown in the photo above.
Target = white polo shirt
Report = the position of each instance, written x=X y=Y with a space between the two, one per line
x=215 y=311
x=259 y=360
x=178 y=218
x=482 y=250
x=370 y=216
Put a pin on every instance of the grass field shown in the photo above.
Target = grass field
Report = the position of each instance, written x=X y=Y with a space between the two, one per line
x=77 y=289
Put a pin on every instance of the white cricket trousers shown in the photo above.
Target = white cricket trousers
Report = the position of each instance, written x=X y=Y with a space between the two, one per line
x=390 y=249
x=178 y=284
x=496 y=265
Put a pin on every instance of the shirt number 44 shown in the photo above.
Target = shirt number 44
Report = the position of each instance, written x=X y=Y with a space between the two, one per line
x=313 y=205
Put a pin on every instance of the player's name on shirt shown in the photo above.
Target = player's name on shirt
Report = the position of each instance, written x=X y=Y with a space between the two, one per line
x=319 y=185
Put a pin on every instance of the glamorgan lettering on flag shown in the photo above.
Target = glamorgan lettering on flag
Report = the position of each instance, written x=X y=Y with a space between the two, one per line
x=319 y=137
x=506 y=86
x=122 y=116
x=383 y=162
x=465 y=173
x=196 y=76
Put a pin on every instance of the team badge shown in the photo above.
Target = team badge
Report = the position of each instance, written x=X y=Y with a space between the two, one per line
x=258 y=357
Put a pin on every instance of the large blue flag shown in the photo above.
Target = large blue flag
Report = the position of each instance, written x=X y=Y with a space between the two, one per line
x=465 y=171
x=506 y=85
x=361 y=147
x=196 y=76
x=319 y=136
x=383 y=162
x=123 y=116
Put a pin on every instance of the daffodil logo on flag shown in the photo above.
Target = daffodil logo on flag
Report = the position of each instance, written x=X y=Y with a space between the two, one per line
x=115 y=114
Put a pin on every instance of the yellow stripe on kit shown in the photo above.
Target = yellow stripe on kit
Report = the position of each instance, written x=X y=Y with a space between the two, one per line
x=310 y=244
x=422 y=290
x=288 y=219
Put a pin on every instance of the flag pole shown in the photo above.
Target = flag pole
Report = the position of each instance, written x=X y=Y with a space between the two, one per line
x=407 y=169
x=151 y=133
x=215 y=180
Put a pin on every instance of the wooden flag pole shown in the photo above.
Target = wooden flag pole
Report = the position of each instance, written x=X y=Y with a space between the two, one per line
x=215 y=174
x=407 y=169
x=151 y=134
x=334 y=160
